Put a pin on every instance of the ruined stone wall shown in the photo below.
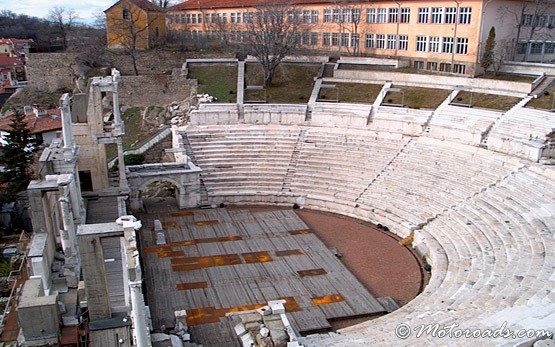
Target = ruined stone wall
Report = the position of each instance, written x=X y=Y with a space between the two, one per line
x=50 y=72
x=157 y=153
x=155 y=90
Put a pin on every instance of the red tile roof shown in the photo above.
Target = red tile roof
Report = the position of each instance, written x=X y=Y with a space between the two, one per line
x=51 y=121
x=6 y=61
x=22 y=40
x=144 y=4
x=4 y=41
x=213 y=4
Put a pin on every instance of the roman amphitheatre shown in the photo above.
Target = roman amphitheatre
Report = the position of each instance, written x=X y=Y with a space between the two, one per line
x=377 y=201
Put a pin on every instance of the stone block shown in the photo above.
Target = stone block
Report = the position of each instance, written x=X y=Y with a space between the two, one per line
x=264 y=310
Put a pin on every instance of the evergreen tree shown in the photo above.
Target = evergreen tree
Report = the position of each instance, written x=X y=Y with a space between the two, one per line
x=17 y=158
x=488 y=55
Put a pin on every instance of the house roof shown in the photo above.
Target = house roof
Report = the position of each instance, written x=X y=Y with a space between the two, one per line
x=4 y=41
x=6 y=61
x=213 y=4
x=37 y=125
x=22 y=40
x=143 y=4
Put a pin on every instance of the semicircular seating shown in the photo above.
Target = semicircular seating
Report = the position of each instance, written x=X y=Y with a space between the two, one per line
x=485 y=221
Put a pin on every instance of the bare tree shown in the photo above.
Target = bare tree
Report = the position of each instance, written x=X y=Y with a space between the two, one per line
x=163 y=3
x=129 y=29
x=64 y=21
x=273 y=32
x=531 y=15
x=503 y=50
x=347 y=14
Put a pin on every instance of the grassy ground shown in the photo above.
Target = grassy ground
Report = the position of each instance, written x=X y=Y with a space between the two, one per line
x=415 y=97
x=133 y=135
x=352 y=92
x=544 y=102
x=491 y=101
x=509 y=77
x=292 y=83
x=5 y=267
x=217 y=80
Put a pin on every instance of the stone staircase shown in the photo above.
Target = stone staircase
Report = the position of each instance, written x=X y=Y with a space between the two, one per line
x=286 y=187
x=191 y=154
x=546 y=83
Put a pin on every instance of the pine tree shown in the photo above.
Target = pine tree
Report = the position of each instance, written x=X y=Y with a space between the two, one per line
x=17 y=158
x=488 y=55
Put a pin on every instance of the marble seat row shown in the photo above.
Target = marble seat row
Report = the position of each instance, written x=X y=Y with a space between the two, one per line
x=400 y=119
x=462 y=124
x=340 y=114
x=522 y=132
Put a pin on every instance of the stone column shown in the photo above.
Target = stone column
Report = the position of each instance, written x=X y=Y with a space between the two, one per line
x=71 y=267
x=121 y=166
x=67 y=134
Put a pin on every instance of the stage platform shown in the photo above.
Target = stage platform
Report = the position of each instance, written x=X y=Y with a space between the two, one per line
x=218 y=261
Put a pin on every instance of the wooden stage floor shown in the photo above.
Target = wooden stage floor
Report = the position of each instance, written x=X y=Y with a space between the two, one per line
x=218 y=261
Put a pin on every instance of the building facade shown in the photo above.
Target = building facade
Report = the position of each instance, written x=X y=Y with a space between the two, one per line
x=437 y=35
x=137 y=24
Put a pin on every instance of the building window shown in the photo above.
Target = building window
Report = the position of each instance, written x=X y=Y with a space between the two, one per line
x=522 y=48
x=326 y=37
x=459 y=68
x=551 y=23
x=437 y=15
x=447 y=45
x=432 y=66
x=314 y=16
x=462 y=45
x=418 y=64
x=327 y=16
x=423 y=13
x=309 y=39
x=335 y=37
x=346 y=16
x=369 y=40
x=345 y=39
x=380 y=41
x=450 y=15
x=247 y=17
x=355 y=40
x=391 y=41
x=336 y=15
x=435 y=44
x=403 y=42
x=549 y=48
x=382 y=15
x=421 y=43
x=355 y=15
x=393 y=15
x=536 y=48
x=445 y=67
x=126 y=14
x=405 y=14
x=306 y=16
x=371 y=15
x=527 y=19
x=465 y=14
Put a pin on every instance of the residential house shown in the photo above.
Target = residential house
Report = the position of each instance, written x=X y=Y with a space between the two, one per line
x=137 y=23
x=43 y=124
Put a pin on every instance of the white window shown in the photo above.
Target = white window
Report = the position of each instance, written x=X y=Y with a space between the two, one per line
x=391 y=41
x=418 y=64
x=421 y=43
x=314 y=16
x=447 y=45
x=335 y=37
x=370 y=41
x=450 y=15
x=326 y=37
x=423 y=13
x=247 y=17
x=549 y=47
x=345 y=39
x=445 y=67
x=403 y=42
x=306 y=16
x=405 y=14
x=233 y=17
x=464 y=17
x=432 y=65
x=336 y=15
x=380 y=41
x=536 y=48
x=355 y=40
x=382 y=15
x=313 y=39
x=327 y=16
x=459 y=68
x=437 y=15
x=393 y=15
x=462 y=45
x=356 y=15
x=126 y=14
x=435 y=44
x=346 y=15
x=371 y=15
